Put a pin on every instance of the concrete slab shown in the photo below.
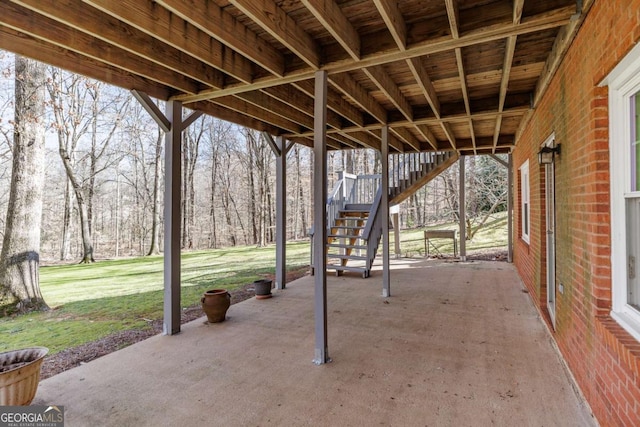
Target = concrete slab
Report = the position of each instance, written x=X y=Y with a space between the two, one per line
x=456 y=344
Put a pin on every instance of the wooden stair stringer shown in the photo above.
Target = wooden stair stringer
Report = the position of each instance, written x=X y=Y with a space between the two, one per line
x=415 y=186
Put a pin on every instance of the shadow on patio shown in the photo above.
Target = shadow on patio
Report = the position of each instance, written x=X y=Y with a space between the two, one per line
x=456 y=344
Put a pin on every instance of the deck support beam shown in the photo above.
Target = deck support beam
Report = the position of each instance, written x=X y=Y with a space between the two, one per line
x=384 y=211
x=395 y=217
x=172 y=123
x=172 y=199
x=280 y=148
x=462 y=209
x=320 y=217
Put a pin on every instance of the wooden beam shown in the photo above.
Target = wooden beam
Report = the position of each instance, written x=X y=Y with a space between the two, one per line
x=336 y=23
x=153 y=110
x=454 y=17
x=463 y=80
x=335 y=102
x=159 y=23
x=446 y=127
x=365 y=138
x=381 y=78
x=221 y=25
x=560 y=46
x=24 y=44
x=430 y=121
x=405 y=135
x=473 y=135
x=509 y=50
x=394 y=142
x=395 y=22
x=518 y=6
x=268 y=15
x=277 y=107
x=246 y=108
x=294 y=98
x=428 y=135
x=543 y=21
x=120 y=62
x=360 y=96
x=87 y=19
x=425 y=83
x=224 y=113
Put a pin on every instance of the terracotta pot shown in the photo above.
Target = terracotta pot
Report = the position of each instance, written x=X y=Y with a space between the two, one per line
x=262 y=288
x=19 y=375
x=215 y=303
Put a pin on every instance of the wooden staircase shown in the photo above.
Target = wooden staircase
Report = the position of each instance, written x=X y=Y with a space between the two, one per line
x=354 y=227
x=345 y=241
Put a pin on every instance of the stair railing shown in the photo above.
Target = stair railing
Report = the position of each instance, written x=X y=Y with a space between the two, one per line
x=339 y=196
x=372 y=232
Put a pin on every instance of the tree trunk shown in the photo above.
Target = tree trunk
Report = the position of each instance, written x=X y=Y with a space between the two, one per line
x=154 y=247
x=19 y=259
x=65 y=245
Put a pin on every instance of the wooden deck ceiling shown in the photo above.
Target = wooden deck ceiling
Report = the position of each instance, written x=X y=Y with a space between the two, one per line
x=443 y=74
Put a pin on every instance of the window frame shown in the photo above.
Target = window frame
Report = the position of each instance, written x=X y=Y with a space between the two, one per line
x=624 y=84
x=525 y=202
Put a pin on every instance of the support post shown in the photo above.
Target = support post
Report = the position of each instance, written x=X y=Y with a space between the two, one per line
x=320 y=217
x=281 y=213
x=510 y=208
x=395 y=215
x=172 y=195
x=172 y=124
x=463 y=211
x=384 y=211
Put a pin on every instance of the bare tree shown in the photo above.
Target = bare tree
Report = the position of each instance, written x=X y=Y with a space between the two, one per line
x=77 y=108
x=20 y=257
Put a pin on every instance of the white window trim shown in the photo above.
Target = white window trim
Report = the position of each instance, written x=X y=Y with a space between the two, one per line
x=623 y=82
x=525 y=196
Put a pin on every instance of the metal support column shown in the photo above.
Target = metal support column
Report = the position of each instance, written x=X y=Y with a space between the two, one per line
x=510 y=209
x=320 y=217
x=384 y=211
x=463 y=211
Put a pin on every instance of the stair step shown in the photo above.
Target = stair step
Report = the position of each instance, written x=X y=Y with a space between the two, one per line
x=358 y=207
x=363 y=270
x=344 y=236
x=349 y=227
x=351 y=257
x=341 y=246
x=348 y=214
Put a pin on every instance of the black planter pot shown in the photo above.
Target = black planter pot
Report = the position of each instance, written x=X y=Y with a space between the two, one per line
x=262 y=288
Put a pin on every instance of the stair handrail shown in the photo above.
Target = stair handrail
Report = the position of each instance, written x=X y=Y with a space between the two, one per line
x=373 y=214
x=372 y=232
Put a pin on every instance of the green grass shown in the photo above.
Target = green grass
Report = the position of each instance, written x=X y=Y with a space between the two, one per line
x=91 y=301
x=493 y=235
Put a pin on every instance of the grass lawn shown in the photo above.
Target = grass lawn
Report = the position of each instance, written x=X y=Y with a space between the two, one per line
x=492 y=236
x=90 y=301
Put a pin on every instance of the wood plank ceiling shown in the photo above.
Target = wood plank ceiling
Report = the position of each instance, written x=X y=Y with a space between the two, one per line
x=443 y=74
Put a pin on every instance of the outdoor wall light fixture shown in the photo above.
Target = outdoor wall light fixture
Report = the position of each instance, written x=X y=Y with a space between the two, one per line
x=546 y=155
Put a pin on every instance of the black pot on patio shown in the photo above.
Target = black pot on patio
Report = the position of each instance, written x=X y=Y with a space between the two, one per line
x=262 y=288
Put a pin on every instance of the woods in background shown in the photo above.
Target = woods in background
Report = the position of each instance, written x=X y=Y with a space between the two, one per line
x=104 y=177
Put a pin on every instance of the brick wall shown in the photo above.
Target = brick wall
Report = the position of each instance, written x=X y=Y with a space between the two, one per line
x=604 y=359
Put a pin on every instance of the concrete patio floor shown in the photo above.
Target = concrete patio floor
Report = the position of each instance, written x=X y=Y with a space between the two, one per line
x=456 y=344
